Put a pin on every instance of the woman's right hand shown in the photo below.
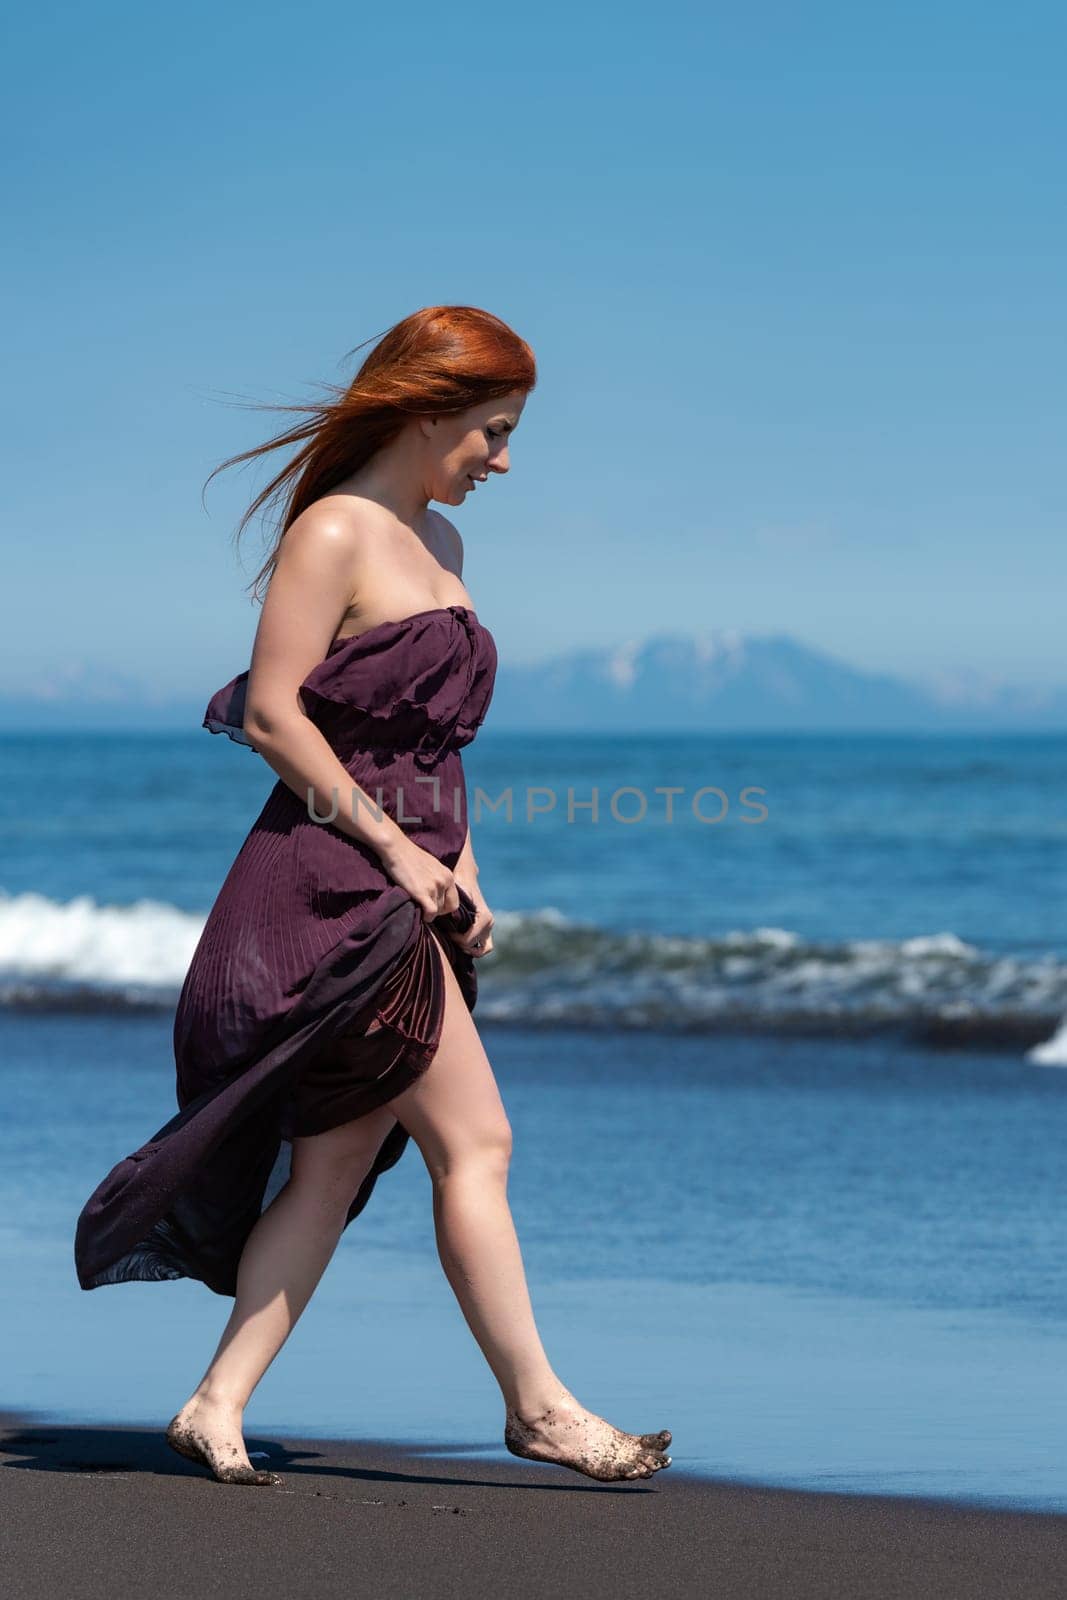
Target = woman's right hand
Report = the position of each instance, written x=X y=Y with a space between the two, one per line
x=428 y=881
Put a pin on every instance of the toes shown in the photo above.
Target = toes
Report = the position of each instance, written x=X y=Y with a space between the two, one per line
x=248 y=1475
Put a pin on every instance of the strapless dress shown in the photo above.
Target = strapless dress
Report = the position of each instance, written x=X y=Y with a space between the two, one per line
x=316 y=991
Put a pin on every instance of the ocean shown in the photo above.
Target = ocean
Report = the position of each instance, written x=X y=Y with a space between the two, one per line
x=778 y=1028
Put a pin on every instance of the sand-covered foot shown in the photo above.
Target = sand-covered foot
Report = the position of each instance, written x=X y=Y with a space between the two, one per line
x=569 y=1435
x=211 y=1435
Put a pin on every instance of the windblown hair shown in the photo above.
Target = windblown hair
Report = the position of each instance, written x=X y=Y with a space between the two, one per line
x=436 y=362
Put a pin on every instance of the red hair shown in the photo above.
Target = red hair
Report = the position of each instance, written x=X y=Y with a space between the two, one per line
x=436 y=362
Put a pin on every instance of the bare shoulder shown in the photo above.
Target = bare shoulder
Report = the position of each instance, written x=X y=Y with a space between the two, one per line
x=305 y=604
x=452 y=541
x=331 y=525
x=320 y=549
x=339 y=519
x=339 y=540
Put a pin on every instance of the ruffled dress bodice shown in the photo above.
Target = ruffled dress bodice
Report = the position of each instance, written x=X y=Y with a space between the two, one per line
x=425 y=698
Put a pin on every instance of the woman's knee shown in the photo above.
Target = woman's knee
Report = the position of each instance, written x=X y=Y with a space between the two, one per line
x=454 y=1112
x=489 y=1145
x=483 y=1153
x=457 y=1120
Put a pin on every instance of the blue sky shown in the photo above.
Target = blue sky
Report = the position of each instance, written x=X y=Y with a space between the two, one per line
x=794 y=278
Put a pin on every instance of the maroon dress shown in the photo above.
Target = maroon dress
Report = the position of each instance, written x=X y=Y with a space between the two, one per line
x=316 y=992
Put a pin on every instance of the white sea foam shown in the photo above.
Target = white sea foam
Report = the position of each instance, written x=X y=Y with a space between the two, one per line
x=1053 y=1053
x=142 y=947
x=548 y=969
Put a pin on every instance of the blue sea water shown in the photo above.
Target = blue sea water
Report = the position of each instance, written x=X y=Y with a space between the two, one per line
x=814 y=885
x=790 y=1131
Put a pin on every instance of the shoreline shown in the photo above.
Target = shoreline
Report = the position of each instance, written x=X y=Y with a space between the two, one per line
x=370 y=1517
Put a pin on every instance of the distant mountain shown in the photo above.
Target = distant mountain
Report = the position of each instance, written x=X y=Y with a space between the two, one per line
x=720 y=680
x=726 y=680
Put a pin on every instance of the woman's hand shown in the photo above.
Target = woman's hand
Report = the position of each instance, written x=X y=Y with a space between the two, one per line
x=478 y=939
x=428 y=881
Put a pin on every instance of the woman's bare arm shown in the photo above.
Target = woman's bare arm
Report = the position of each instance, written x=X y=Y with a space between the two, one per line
x=306 y=600
x=466 y=867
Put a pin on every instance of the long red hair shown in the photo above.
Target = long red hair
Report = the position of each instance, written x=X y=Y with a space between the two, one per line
x=438 y=361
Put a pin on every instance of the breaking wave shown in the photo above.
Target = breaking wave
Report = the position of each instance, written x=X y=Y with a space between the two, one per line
x=548 y=971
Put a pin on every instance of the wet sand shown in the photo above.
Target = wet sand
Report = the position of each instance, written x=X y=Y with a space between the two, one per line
x=84 y=1510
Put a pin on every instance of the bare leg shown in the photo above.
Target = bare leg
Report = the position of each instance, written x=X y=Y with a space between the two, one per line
x=283 y=1259
x=456 y=1117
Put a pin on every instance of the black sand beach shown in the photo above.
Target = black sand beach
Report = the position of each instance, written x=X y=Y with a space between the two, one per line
x=85 y=1511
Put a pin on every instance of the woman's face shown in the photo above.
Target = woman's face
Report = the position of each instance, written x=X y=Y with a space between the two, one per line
x=470 y=446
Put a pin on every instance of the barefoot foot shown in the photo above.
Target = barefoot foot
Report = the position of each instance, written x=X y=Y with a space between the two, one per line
x=210 y=1434
x=569 y=1435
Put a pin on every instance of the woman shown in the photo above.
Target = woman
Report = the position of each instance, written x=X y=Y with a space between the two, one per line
x=320 y=1025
